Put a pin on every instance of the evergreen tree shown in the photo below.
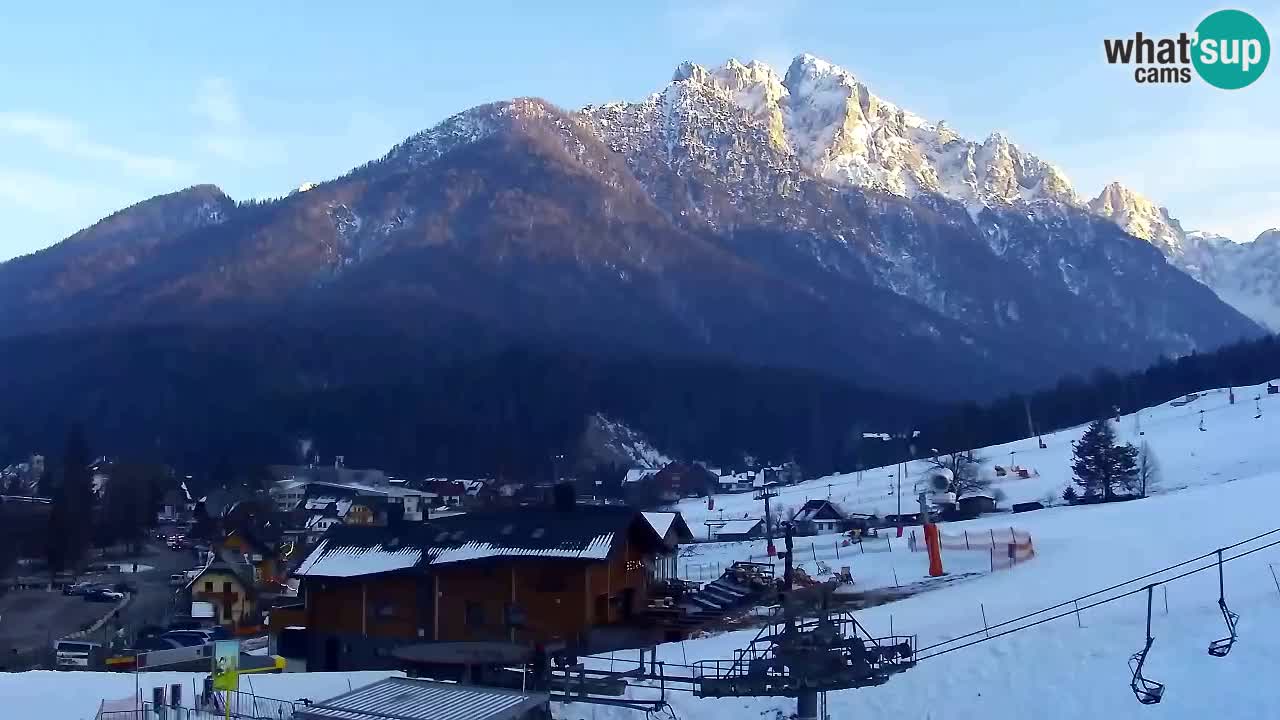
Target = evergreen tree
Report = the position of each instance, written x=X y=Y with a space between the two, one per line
x=1101 y=467
x=71 y=517
x=1070 y=495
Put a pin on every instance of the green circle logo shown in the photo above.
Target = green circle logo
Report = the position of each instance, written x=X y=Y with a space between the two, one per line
x=1232 y=49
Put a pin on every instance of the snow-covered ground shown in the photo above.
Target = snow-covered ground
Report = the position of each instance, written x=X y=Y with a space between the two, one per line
x=51 y=695
x=1234 y=445
x=1218 y=488
x=882 y=562
x=1058 y=669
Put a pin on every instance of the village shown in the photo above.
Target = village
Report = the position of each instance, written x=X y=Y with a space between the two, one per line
x=526 y=588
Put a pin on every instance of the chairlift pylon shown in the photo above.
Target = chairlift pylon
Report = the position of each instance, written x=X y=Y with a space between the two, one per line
x=1220 y=648
x=1147 y=691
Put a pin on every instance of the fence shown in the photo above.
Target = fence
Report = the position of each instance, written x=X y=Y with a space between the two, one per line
x=1005 y=547
x=245 y=706
x=826 y=551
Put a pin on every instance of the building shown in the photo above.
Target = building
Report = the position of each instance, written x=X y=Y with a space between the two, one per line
x=975 y=505
x=735 y=530
x=674 y=531
x=226 y=585
x=557 y=576
x=261 y=557
x=818 y=517
x=740 y=482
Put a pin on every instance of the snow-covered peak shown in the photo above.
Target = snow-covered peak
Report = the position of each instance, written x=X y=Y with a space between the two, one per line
x=1269 y=238
x=1141 y=218
x=837 y=129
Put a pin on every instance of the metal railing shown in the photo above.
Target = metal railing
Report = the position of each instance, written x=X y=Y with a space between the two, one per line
x=244 y=706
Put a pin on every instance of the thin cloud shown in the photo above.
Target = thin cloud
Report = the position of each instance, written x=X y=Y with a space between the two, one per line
x=63 y=136
x=37 y=191
x=227 y=133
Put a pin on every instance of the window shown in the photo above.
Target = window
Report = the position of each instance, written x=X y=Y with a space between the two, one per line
x=226 y=587
x=208 y=586
x=475 y=614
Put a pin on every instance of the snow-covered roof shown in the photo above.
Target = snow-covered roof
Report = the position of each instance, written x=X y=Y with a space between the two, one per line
x=353 y=561
x=596 y=549
x=736 y=527
x=584 y=534
x=660 y=521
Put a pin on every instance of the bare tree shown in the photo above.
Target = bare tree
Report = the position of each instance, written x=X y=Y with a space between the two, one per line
x=1148 y=469
x=966 y=472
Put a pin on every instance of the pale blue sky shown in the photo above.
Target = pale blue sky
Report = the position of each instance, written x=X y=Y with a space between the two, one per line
x=104 y=104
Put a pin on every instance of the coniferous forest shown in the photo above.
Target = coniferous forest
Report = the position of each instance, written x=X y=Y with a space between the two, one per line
x=199 y=399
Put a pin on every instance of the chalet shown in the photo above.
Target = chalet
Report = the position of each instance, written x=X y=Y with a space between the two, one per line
x=671 y=527
x=817 y=517
x=521 y=575
x=443 y=492
x=682 y=480
x=229 y=587
x=975 y=505
x=740 y=482
x=260 y=556
x=734 y=530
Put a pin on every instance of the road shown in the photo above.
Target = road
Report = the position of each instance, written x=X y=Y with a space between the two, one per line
x=31 y=620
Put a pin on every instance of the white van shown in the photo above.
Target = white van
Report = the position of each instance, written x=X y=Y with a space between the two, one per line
x=77 y=655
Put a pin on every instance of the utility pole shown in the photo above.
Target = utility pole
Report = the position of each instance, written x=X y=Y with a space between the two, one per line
x=765 y=493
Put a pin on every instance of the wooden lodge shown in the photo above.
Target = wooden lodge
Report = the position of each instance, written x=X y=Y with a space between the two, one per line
x=526 y=575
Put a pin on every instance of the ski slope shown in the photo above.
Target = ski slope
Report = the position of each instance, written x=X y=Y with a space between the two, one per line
x=1219 y=487
x=1060 y=669
x=1234 y=445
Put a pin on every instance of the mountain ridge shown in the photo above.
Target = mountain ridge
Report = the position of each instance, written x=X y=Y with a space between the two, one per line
x=731 y=204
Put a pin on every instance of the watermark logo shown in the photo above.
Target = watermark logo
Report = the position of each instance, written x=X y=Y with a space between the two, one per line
x=1229 y=49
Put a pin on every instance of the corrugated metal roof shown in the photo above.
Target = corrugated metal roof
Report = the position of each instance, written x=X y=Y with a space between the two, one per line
x=410 y=699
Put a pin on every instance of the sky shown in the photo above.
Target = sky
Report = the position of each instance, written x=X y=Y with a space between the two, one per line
x=105 y=105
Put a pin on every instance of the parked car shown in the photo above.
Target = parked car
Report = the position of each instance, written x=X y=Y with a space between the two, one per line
x=184 y=638
x=104 y=595
x=79 y=588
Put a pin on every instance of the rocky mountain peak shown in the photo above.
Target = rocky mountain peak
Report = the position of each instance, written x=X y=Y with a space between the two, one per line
x=835 y=128
x=1141 y=218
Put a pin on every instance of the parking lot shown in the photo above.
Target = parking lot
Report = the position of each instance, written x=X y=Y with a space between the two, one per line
x=32 y=620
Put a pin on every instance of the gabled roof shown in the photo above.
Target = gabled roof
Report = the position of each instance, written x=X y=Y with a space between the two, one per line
x=736 y=527
x=664 y=523
x=584 y=533
x=819 y=510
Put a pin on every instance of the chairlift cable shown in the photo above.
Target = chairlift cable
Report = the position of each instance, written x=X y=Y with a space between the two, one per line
x=1104 y=590
x=1059 y=616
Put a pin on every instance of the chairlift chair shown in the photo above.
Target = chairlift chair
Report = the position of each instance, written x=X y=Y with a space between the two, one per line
x=1147 y=691
x=1220 y=648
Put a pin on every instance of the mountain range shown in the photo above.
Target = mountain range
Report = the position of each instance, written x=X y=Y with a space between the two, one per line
x=792 y=221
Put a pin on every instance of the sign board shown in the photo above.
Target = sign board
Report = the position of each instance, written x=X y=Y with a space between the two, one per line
x=202 y=610
x=226 y=665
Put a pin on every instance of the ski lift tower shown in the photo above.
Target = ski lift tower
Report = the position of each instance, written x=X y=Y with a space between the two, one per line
x=807 y=651
x=765 y=491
